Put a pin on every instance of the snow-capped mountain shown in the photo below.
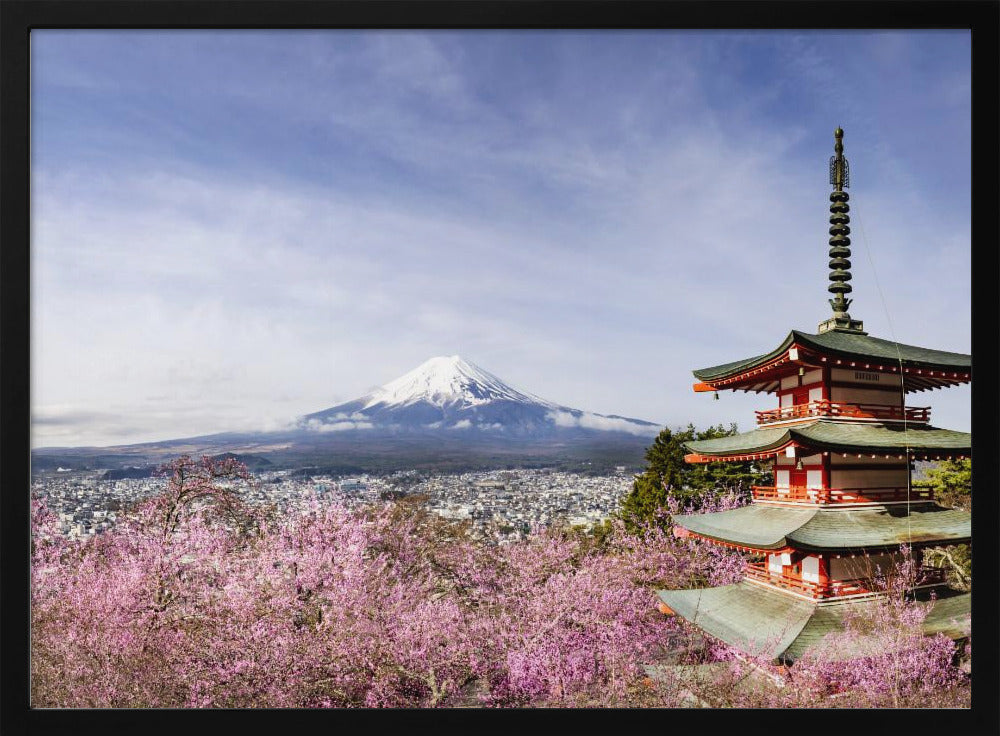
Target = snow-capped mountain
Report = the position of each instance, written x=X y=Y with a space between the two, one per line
x=447 y=414
x=449 y=393
x=444 y=381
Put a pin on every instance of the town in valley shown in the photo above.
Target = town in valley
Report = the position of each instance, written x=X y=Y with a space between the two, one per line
x=511 y=502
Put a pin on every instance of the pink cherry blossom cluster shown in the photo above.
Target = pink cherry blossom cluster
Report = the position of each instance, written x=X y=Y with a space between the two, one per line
x=197 y=599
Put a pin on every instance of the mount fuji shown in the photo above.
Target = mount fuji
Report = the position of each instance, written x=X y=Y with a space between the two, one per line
x=448 y=393
x=446 y=414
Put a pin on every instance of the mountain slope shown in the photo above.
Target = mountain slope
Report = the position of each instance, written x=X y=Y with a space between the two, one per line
x=445 y=414
x=449 y=393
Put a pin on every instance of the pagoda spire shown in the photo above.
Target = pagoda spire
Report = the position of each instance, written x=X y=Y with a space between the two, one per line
x=840 y=251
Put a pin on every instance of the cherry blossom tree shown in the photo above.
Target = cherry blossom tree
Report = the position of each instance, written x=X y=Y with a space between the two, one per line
x=199 y=599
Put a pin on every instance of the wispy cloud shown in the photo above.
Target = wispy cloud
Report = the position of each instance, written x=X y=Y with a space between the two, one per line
x=586 y=420
x=339 y=425
x=267 y=224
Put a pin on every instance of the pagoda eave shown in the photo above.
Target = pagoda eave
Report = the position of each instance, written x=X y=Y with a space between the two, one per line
x=781 y=628
x=874 y=440
x=922 y=369
x=918 y=455
x=758 y=549
x=873 y=528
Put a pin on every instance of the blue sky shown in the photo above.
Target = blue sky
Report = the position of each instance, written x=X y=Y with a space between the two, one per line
x=231 y=229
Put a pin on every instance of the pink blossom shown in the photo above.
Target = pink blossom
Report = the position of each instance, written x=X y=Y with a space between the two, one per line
x=196 y=599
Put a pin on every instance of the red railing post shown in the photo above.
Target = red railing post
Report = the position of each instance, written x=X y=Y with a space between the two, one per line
x=824 y=407
x=839 y=495
x=829 y=589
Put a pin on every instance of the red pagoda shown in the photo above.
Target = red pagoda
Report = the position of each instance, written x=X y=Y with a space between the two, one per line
x=841 y=444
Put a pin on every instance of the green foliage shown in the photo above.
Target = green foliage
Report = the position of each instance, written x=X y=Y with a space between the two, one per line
x=956 y=560
x=668 y=477
x=590 y=538
x=951 y=481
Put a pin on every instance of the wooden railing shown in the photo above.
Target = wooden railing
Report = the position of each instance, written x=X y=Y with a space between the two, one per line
x=802 y=494
x=832 y=588
x=932 y=576
x=824 y=408
x=796 y=584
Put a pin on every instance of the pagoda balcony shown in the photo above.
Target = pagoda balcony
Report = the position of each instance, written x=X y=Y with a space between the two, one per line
x=931 y=576
x=795 y=584
x=827 y=589
x=824 y=408
x=823 y=496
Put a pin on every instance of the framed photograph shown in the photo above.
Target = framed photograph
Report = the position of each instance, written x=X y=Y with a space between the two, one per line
x=366 y=360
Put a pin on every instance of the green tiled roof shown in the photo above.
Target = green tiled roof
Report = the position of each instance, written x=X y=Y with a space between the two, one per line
x=773 y=527
x=738 y=366
x=948 y=616
x=756 y=440
x=776 y=625
x=825 y=620
x=838 y=436
x=747 y=616
x=757 y=526
x=848 y=345
x=882 y=526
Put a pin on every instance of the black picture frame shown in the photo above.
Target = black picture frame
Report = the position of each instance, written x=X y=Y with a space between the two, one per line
x=18 y=18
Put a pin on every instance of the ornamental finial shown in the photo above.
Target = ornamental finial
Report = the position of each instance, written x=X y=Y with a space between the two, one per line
x=840 y=172
x=840 y=251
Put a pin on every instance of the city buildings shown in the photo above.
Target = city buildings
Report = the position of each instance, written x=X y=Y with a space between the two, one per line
x=511 y=501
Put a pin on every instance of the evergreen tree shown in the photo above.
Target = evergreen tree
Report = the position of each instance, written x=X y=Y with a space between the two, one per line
x=667 y=476
x=951 y=481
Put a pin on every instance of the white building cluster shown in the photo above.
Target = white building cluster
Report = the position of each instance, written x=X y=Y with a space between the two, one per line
x=510 y=501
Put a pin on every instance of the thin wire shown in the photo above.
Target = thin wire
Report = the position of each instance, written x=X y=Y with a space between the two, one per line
x=902 y=379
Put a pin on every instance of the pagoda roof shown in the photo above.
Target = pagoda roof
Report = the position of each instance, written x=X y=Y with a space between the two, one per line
x=836 y=436
x=769 y=623
x=859 y=348
x=754 y=526
x=823 y=529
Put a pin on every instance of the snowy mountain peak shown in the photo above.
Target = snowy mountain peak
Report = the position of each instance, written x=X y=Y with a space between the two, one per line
x=448 y=394
x=446 y=381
